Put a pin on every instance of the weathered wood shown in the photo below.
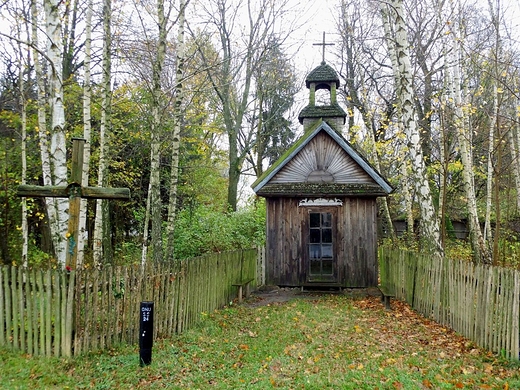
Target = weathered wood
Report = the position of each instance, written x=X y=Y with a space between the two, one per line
x=478 y=301
x=105 y=193
x=27 y=190
x=244 y=284
x=75 y=192
x=28 y=311
x=3 y=307
x=356 y=242
x=102 y=315
x=14 y=304
x=69 y=314
x=322 y=154
x=56 y=301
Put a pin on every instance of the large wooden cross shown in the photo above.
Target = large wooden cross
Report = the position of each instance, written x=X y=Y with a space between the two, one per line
x=323 y=44
x=74 y=191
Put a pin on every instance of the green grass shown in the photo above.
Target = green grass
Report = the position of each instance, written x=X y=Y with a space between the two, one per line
x=332 y=342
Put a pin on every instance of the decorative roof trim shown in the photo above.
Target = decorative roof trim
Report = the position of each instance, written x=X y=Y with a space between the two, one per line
x=302 y=142
x=320 y=202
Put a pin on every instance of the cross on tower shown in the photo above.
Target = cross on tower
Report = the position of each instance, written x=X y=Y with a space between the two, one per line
x=74 y=191
x=323 y=44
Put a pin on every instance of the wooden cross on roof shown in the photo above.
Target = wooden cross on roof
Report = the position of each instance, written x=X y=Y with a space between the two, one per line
x=323 y=44
x=74 y=191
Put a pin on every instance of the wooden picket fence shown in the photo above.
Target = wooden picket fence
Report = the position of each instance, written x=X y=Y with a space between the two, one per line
x=54 y=312
x=479 y=302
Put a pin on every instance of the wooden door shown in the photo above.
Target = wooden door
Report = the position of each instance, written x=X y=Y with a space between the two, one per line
x=319 y=233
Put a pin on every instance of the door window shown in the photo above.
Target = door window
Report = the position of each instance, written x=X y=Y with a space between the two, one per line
x=321 y=252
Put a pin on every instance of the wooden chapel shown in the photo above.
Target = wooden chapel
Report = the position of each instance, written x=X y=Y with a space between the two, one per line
x=321 y=202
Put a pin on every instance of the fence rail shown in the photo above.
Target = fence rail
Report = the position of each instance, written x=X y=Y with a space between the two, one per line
x=52 y=312
x=480 y=302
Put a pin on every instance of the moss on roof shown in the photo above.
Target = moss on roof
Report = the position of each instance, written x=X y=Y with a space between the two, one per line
x=329 y=111
x=322 y=73
x=382 y=188
x=322 y=189
x=287 y=153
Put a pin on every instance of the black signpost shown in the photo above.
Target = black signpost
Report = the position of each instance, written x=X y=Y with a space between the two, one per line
x=146 y=333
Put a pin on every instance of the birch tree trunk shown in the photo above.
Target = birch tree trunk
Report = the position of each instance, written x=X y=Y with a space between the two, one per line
x=480 y=249
x=406 y=109
x=515 y=154
x=58 y=162
x=87 y=93
x=146 y=225
x=178 y=109
x=23 y=106
x=41 y=130
x=488 y=234
x=366 y=113
x=101 y=240
x=156 y=135
x=405 y=166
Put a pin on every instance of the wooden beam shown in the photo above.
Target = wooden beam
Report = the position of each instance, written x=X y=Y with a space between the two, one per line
x=63 y=192
x=43 y=191
x=105 y=193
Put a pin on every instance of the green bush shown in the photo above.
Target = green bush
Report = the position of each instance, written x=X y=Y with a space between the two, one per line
x=203 y=230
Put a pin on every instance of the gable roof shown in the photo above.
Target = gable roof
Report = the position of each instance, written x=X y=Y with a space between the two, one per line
x=281 y=179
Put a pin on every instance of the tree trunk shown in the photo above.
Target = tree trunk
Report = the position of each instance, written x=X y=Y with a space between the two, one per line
x=146 y=224
x=406 y=107
x=488 y=234
x=480 y=249
x=87 y=93
x=102 y=247
x=58 y=155
x=515 y=155
x=405 y=167
x=157 y=130
x=234 y=70
x=23 y=106
x=367 y=120
x=178 y=107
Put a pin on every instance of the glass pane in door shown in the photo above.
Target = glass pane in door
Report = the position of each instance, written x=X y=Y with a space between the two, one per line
x=321 y=246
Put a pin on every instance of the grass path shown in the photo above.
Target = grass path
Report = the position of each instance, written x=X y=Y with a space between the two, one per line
x=331 y=342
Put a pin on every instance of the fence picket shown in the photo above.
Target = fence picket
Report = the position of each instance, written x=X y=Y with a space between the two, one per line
x=53 y=312
x=481 y=302
x=14 y=303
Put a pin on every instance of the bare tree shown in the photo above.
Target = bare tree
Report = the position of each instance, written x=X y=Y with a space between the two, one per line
x=242 y=50
x=478 y=244
x=102 y=249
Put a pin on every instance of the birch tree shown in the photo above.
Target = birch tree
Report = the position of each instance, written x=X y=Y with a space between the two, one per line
x=354 y=69
x=176 y=134
x=242 y=48
x=480 y=249
x=23 y=66
x=406 y=108
x=101 y=241
x=53 y=148
x=87 y=94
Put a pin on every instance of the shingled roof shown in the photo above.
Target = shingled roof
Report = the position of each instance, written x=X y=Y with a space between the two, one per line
x=265 y=186
x=329 y=111
x=322 y=73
